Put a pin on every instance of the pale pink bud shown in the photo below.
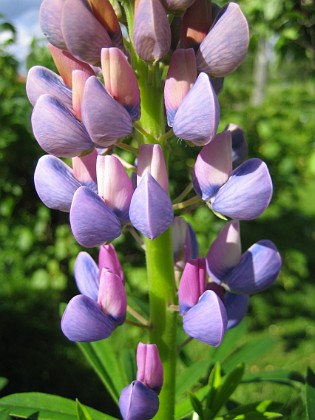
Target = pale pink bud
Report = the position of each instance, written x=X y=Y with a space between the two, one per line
x=150 y=369
x=151 y=159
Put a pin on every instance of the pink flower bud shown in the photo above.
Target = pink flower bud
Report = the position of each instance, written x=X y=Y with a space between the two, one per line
x=151 y=159
x=84 y=168
x=150 y=369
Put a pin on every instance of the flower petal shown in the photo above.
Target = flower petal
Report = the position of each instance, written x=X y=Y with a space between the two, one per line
x=84 y=169
x=49 y=19
x=150 y=369
x=151 y=210
x=120 y=80
x=196 y=23
x=104 y=118
x=56 y=129
x=55 y=183
x=41 y=80
x=86 y=275
x=112 y=296
x=185 y=245
x=198 y=115
x=92 y=222
x=225 y=252
x=192 y=284
x=207 y=320
x=138 y=402
x=236 y=308
x=151 y=160
x=152 y=33
x=225 y=46
x=213 y=166
x=247 y=193
x=178 y=4
x=83 y=41
x=83 y=320
x=259 y=267
x=181 y=76
x=114 y=186
x=107 y=258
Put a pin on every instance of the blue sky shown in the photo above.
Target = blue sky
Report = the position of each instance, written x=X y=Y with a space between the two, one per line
x=23 y=14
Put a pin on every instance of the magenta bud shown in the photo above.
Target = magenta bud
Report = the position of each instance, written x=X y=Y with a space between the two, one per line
x=152 y=33
x=151 y=160
x=114 y=185
x=225 y=46
x=120 y=80
x=108 y=259
x=150 y=369
x=112 y=296
x=181 y=76
x=192 y=284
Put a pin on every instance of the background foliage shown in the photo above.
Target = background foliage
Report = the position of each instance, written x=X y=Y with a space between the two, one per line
x=272 y=98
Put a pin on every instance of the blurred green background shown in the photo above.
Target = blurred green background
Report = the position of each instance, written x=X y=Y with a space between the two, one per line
x=272 y=97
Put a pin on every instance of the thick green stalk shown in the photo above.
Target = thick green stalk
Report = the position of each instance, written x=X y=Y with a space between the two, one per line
x=159 y=252
x=159 y=256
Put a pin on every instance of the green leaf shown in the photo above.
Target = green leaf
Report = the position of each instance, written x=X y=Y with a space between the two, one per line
x=39 y=406
x=285 y=377
x=310 y=394
x=230 y=342
x=253 y=411
x=197 y=406
x=247 y=353
x=230 y=383
x=105 y=363
x=3 y=382
x=82 y=413
x=214 y=385
x=190 y=377
x=184 y=408
x=128 y=363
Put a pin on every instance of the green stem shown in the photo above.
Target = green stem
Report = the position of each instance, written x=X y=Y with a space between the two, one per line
x=159 y=256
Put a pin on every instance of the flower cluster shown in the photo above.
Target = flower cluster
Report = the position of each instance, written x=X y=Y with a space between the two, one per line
x=101 y=101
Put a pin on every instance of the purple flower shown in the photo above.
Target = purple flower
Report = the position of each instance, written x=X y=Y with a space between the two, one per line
x=151 y=210
x=61 y=22
x=247 y=273
x=225 y=46
x=151 y=33
x=56 y=182
x=98 y=218
x=94 y=314
x=139 y=400
x=198 y=115
x=243 y=193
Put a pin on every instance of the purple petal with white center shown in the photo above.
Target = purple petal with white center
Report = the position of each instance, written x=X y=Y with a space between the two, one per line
x=192 y=284
x=151 y=210
x=138 y=402
x=225 y=46
x=57 y=130
x=225 y=252
x=112 y=296
x=198 y=115
x=104 y=118
x=258 y=269
x=181 y=76
x=152 y=33
x=150 y=369
x=92 y=222
x=107 y=258
x=49 y=19
x=213 y=166
x=247 y=193
x=86 y=275
x=83 y=320
x=239 y=144
x=55 y=183
x=114 y=186
x=236 y=308
x=207 y=320
x=41 y=80
x=86 y=41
